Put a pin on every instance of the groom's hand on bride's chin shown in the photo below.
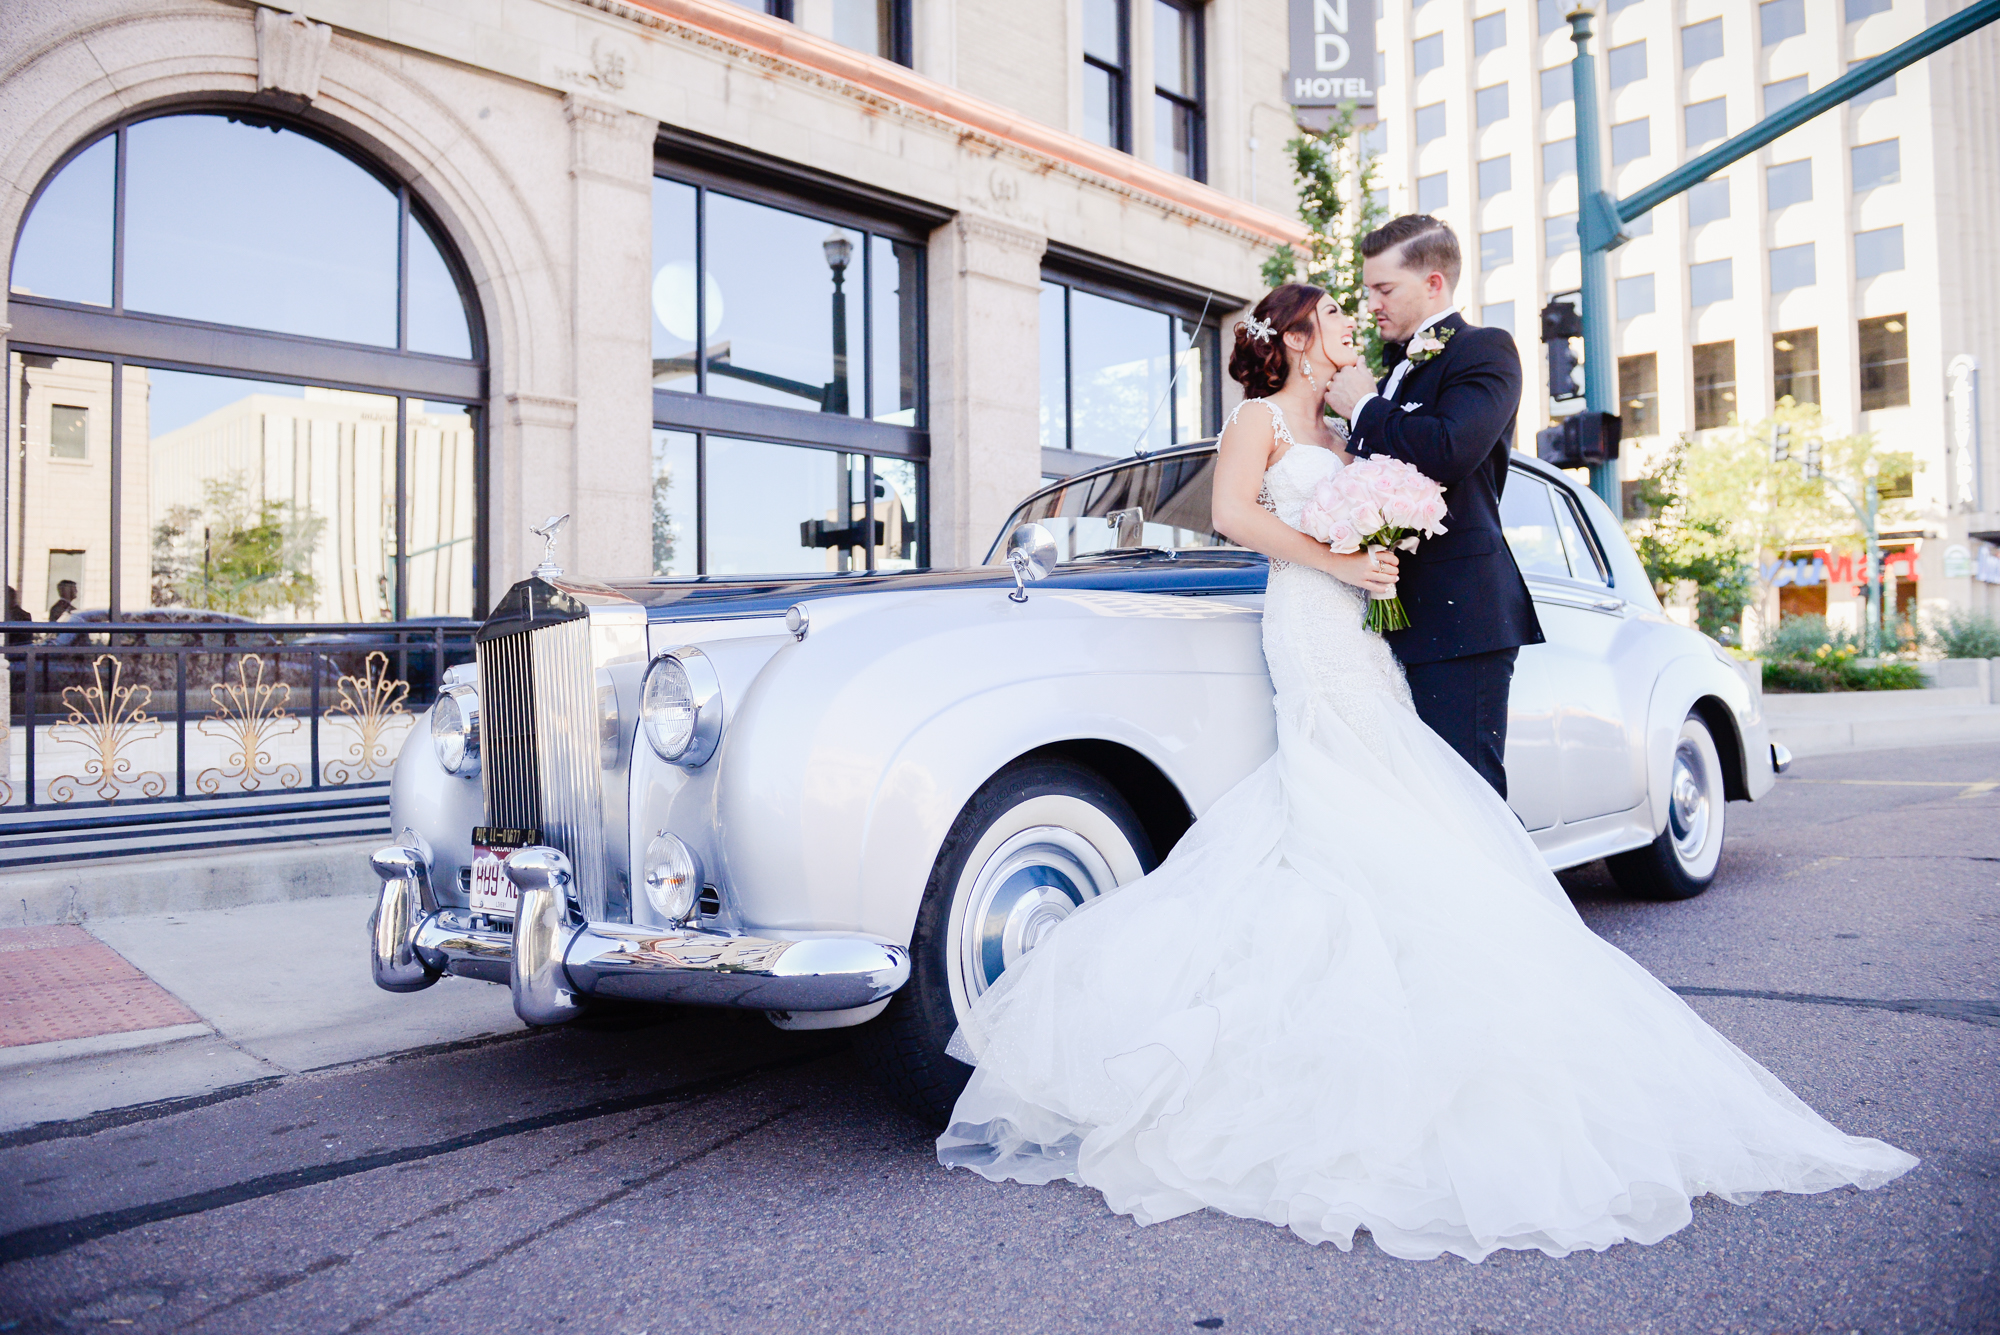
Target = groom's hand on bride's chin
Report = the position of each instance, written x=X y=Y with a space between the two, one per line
x=1349 y=386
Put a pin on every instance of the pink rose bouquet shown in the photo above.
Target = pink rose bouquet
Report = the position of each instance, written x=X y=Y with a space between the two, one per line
x=1378 y=504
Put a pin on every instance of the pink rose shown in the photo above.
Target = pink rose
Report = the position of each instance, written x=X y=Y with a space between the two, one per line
x=1343 y=537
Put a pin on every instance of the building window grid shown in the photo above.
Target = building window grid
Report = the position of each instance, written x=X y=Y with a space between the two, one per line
x=1714 y=384
x=1204 y=345
x=1639 y=394
x=204 y=362
x=1885 y=362
x=1795 y=366
x=1179 y=112
x=1114 y=66
x=670 y=421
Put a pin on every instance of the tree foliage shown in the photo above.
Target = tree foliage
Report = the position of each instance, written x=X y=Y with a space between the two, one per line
x=1680 y=539
x=236 y=552
x=1336 y=220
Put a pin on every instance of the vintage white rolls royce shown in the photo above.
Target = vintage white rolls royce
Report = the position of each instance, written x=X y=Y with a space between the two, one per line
x=855 y=799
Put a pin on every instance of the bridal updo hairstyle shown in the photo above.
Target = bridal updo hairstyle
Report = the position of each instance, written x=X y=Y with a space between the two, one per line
x=1259 y=364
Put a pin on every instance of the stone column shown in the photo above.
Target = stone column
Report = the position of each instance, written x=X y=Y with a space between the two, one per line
x=611 y=168
x=986 y=453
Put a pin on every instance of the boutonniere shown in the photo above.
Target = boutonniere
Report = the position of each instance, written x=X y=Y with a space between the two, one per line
x=1427 y=344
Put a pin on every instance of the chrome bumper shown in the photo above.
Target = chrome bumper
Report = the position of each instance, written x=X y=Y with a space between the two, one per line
x=552 y=961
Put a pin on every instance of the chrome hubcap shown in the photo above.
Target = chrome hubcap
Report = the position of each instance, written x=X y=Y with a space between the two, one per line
x=1688 y=810
x=1031 y=882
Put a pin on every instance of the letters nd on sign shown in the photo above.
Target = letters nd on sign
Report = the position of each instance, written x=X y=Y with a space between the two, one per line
x=1333 y=53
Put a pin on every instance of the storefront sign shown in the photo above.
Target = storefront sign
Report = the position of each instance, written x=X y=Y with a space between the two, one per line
x=1333 y=53
x=1963 y=375
x=1957 y=561
x=1988 y=569
x=1823 y=567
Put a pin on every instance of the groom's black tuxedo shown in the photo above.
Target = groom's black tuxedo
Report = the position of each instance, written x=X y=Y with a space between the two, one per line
x=1452 y=417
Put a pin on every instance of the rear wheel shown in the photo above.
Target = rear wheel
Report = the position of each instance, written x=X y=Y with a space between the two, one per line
x=1039 y=840
x=1681 y=862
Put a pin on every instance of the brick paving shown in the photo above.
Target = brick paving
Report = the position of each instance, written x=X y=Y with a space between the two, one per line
x=61 y=982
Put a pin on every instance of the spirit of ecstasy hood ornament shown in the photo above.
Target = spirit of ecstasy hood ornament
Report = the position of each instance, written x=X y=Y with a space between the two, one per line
x=548 y=532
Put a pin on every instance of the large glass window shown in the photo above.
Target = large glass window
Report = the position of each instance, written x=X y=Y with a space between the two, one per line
x=177 y=463
x=1885 y=362
x=1107 y=63
x=1119 y=377
x=1795 y=365
x=1639 y=394
x=1714 y=384
x=1179 y=130
x=789 y=434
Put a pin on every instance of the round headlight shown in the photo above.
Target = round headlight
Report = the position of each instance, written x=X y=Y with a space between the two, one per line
x=455 y=730
x=673 y=878
x=680 y=707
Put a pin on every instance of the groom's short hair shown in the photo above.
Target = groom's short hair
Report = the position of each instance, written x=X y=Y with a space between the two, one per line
x=1426 y=243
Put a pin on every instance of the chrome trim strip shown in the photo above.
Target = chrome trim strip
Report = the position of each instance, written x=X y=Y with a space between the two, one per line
x=567 y=753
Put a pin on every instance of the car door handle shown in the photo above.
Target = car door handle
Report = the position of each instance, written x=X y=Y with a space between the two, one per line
x=1609 y=604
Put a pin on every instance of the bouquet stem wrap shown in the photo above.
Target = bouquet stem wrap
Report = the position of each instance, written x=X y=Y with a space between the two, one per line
x=1385 y=610
x=1380 y=505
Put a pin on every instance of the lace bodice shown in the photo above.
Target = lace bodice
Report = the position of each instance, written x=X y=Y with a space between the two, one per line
x=1319 y=652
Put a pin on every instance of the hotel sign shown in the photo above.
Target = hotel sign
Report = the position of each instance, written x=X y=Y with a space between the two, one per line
x=1333 y=53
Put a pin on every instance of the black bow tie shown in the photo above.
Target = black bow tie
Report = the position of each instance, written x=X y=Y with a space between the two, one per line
x=1392 y=355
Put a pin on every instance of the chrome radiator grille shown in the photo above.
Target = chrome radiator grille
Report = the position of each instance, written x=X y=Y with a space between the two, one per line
x=543 y=767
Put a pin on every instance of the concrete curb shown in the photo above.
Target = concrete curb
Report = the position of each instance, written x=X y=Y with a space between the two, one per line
x=1857 y=723
x=69 y=1049
x=187 y=882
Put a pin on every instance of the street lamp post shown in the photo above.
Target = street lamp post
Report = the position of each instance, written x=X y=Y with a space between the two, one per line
x=839 y=250
x=1598 y=232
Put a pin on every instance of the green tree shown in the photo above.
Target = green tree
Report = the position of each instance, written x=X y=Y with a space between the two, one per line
x=1677 y=540
x=236 y=553
x=1330 y=256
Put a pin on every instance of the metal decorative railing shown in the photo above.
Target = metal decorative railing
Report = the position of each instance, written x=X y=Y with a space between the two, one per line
x=127 y=736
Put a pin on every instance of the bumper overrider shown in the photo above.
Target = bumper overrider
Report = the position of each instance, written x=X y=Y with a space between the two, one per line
x=552 y=960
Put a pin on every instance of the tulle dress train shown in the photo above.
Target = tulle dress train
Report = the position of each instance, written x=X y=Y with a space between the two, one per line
x=1354 y=997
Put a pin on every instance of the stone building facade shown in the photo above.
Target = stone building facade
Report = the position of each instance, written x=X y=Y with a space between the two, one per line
x=548 y=164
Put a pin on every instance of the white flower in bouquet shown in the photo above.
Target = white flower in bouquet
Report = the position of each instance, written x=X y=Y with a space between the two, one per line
x=1376 y=504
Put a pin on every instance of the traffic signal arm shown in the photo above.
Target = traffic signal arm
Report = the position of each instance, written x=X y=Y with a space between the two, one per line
x=1453 y=435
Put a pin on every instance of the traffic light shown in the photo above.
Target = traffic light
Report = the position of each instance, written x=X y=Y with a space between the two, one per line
x=1562 y=320
x=1781 y=442
x=1812 y=459
x=1580 y=439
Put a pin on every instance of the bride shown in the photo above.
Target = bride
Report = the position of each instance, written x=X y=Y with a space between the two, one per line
x=1354 y=997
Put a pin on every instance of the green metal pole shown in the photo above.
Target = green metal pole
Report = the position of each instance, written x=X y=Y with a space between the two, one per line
x=1600 y=392
x=1874 y=640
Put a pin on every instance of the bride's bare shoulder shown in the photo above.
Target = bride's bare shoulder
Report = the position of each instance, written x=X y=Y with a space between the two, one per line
x=1251 y=430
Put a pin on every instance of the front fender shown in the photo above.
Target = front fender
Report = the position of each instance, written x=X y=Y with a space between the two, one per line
x=856 y=749
x=441 y=806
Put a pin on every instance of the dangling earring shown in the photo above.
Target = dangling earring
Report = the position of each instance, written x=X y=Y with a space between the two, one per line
x=1306 y=365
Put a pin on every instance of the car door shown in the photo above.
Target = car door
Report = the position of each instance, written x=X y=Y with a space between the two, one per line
x=1574 y=681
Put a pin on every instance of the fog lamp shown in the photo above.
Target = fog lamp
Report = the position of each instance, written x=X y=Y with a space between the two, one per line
x=455 y=730
x=672 y=878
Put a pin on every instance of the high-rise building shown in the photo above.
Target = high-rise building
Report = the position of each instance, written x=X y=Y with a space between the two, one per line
x=1850 y=263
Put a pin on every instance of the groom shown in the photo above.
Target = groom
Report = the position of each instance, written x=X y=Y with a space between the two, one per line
x=1447 y=406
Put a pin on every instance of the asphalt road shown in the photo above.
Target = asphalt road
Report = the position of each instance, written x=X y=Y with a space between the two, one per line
x=698 y=1171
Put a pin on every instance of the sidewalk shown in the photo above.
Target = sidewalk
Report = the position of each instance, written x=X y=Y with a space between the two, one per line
x=1817 y=725
x=134 y=1010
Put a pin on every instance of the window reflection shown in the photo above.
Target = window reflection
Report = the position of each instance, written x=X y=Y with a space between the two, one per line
x=897 y=484
x=1192 y=390
x=674 y=307
x=1055 y=367
x=65 y=246
x=438 y=581
x=676 y=537
x=58 y=525
x=790 y=332
x=1528 y=520
x=1119 y=368
x=894 y=273
x=272 y=501
x=782 y=509
x=237 y=224
x=1174 y=498
x=437 y=308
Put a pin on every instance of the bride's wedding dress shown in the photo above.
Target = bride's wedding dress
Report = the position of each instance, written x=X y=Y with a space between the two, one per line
x=1355 y=998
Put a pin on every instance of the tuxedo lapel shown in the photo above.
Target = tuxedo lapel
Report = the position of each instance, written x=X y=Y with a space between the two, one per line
x=1423 y=373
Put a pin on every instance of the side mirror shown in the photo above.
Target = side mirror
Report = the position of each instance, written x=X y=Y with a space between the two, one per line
x=1031 y=554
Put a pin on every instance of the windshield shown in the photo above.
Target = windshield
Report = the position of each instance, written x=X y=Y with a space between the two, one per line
x=1158 y=503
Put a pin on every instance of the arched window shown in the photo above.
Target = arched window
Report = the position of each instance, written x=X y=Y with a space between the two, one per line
x=244 y=377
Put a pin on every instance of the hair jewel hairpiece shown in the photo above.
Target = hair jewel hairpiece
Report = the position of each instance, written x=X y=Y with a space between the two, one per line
x=1260 y=330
